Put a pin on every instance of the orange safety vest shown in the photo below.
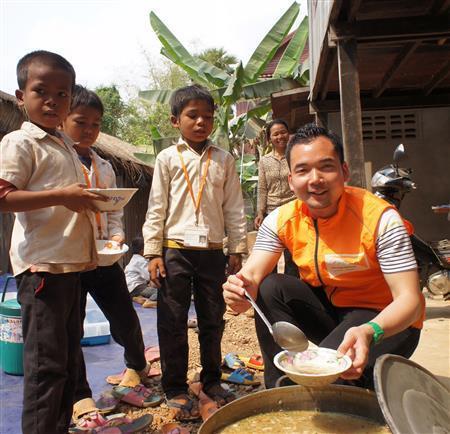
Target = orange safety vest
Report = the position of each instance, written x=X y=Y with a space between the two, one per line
x=339 y=253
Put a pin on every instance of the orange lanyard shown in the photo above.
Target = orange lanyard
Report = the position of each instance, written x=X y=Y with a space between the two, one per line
x=202 y=181
x=98 y=217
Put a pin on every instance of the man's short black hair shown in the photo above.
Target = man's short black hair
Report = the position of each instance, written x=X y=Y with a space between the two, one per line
x=82 y=97
x=275 y=122
x=137 y=245
x=307 y=134
x=42 y=57
x=181 y=97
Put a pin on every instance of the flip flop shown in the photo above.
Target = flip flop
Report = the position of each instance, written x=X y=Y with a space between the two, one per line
x=152 y=354
x=138 y=396
x=107 y=402
x=240 y=376
x=254 y=362
x=233 y=361
x=186 y=407
x=116 y=424
x=117 y=378
x=173 y=428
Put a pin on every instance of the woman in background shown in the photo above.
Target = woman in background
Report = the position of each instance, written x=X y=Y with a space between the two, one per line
x=273 y=187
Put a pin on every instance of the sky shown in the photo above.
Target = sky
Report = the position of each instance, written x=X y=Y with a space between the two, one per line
x=109 y=41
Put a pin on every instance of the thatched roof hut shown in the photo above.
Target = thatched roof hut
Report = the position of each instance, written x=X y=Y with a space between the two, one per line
x=130 y=172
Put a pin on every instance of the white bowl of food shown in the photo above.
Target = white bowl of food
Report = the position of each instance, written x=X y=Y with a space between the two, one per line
x=118 y=198
x=109 y=251
x=314 y=367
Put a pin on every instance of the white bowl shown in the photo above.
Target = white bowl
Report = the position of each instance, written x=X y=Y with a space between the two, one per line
x=118 y=197
x=109 y=251
x=322 y=366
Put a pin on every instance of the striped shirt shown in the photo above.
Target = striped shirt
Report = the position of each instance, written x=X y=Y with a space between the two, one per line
x=393 y=245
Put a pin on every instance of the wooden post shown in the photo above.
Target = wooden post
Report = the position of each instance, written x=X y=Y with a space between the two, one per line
x=351 y=110
x=321 y=119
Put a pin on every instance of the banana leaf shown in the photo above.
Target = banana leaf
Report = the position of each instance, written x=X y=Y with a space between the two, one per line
x=163 y=143
x=253 y=127
x=193 y=74
x=220 y=136
x=162 y=96
x=291 y=55
x=233 y=91
x=270 y=43
x=198 y=69
x=303 y=73
x=265 y=88
x=155 y=133
x=262 y=108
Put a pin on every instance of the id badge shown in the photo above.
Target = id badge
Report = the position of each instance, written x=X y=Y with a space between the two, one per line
x=196 y=236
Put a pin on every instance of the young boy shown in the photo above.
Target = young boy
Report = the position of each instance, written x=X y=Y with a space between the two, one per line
x=52 y=241
x=195 y=200
x=138 y=277
x=106 y=283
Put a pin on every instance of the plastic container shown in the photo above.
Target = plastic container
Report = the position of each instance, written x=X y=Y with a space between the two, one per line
x=96 y=326
x=11 y=340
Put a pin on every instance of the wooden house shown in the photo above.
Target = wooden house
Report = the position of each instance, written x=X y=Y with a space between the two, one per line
x=380 y=76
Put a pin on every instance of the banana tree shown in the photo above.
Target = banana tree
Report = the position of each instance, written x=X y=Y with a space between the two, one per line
x=244 y=83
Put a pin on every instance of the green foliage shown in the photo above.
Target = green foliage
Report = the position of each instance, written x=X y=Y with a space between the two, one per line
x=213 y=68
x=133 y=121
x=114 y=107
x=219 y=58
x=247 y=168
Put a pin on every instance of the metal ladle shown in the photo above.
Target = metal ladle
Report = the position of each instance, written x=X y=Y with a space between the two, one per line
x=285 y=334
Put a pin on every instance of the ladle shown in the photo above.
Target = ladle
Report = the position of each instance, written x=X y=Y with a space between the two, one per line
x=285 y=334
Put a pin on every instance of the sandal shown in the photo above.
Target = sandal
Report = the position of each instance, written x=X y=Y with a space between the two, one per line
x=115 y=379
x=180 y=410
x=220 y=395
x=139 y=299
x=152 y=354
x=107 y=402
x=233 y=361
x=206 y=405
x=138 y=396
x=115 y=424
x=254 y=362
x=240 y=376
x=88 y=421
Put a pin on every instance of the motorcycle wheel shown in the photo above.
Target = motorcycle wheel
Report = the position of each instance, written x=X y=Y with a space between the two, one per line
x=439 y=283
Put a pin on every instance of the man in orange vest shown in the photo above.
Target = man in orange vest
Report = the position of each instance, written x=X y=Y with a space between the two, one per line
x=358 y=290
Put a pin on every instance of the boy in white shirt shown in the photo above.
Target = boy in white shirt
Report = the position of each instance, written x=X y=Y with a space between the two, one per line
x=195 y=200
x=41 y=181
x=106 y=283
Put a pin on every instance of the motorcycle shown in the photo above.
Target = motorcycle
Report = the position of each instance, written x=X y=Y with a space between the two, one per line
x=392 y=183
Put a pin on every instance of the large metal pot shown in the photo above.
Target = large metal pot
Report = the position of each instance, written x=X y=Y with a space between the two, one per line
x=334 y=398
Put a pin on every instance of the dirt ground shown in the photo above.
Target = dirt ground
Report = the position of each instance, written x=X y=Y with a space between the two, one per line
x=433 y=353
x=239 y=337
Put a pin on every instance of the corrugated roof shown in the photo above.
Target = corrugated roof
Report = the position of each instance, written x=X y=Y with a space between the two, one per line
x=272 y=65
